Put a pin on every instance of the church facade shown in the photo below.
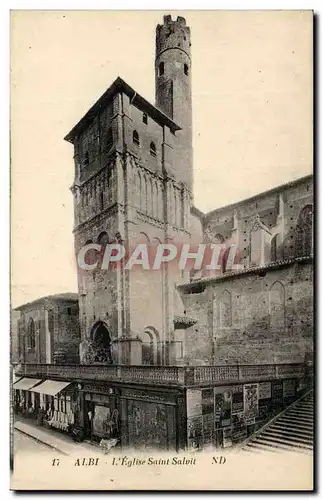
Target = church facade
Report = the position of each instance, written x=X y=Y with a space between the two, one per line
x=180 y=357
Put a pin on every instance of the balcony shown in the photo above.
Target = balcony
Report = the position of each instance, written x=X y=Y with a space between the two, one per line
x=178 y=376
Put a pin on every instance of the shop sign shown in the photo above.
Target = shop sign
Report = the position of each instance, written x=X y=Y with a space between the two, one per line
x=147 y=396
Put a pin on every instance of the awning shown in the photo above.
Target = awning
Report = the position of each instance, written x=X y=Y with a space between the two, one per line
x=26 y=383
x=51 y=387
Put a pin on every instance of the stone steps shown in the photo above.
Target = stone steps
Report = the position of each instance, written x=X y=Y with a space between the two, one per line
x=292 y=430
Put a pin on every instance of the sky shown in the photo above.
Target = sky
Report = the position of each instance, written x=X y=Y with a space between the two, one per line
x=252 y=114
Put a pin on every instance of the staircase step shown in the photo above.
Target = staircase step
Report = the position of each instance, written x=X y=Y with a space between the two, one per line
x=288 y=436
x=296 y=430
x=272 y=446
x=296 y=420
x=285 y=447
x=292 y=430
x=261 y=448
x=281 y=441
x=304 y=413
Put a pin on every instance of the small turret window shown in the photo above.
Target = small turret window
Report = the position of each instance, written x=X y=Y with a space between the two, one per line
x=145 y=118
x=135 y=138
x=186 y=69
x=153 y=149
x=161 y=68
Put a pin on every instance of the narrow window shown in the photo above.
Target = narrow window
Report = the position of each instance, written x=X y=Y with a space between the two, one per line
x=153 y=149
x=31 y=338
x=145 y=118
x=101 y=201
x=274 y=249
x=91 y=255
x=186 y=69
x=135 y=138
x=109 y=139
x=161 y=68
x=304 y=230
x=86 y=158
x=69 y=311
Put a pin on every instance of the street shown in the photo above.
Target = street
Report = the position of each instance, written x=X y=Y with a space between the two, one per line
x=24 y=443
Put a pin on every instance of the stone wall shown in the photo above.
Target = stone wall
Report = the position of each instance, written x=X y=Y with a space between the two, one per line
x=264 y=316
x=268 y=227
x=49 y=331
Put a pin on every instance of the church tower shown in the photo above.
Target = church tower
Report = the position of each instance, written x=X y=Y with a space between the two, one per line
x=173 y=88
x=133 y=185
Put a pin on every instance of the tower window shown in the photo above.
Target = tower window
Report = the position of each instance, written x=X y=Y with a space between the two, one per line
x=109 y=139
x=145 y=118
x=103 y=238
x=86 y=158
x=101 y=201
x=69 y=311
x=135 y=138
x=153 y=149
x=186 y=69
x=161 y=68
x=31 y=335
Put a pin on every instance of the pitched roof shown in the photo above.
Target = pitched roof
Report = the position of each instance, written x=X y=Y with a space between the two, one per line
x=119 y=85
x=58 y=296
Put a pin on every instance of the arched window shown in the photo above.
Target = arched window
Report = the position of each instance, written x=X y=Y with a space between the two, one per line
x=161 y=69
x=103 y=238
x=109 y=139
x=150 y=354
x=145 y=118
x=101 y=343
x=186 y=69
x=101 y=200
x=218 y=239
x=153 y=149
x=273 y=249
x=225 y=309
x=91 y=255
x=277 y=306
x=135 y=138
x=50 y=321
x=224 y=259
x=304 y=229
x=31 y=336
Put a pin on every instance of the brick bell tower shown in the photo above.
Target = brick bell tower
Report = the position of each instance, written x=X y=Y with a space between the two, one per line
x=173 y=88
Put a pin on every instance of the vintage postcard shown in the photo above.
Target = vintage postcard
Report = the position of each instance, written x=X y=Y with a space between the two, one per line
x=162 y=250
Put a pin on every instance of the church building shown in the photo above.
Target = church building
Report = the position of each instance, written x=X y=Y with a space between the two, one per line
x=171 y=357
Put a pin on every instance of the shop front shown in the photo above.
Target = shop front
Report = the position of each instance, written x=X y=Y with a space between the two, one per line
x=101 y=414
x=26 y=402
x=56 y=404
x=150 y=419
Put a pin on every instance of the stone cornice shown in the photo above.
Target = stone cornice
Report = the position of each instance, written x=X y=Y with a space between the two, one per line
x=111 y=210
x=249 y=270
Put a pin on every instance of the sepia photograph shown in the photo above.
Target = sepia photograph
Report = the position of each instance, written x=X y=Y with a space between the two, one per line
x=162 y=250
